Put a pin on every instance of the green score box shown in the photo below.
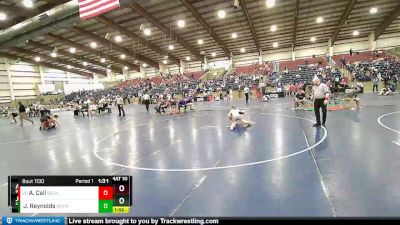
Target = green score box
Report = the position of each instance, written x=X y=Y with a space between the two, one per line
x=105 y=206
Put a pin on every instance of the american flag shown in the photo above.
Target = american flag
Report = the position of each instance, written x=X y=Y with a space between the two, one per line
x=92 y=8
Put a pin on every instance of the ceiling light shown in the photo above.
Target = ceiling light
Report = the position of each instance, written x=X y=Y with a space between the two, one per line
x=27 y=3
x=72 y=50
x=3 y=16
x=313 y=39
x=373 y=10
x=103 y=60
x=356 y=33
x=213 y=54
x=171 y=47
x=164 y=61
x=187 y=58
x=69 y=67
x=320 y=20
x=147 y=31
x=118 y=38
x=123 y=56
x=126 y=68
x=275 y=44
x=200 y=41
x=273 y=28
x=221 y=14
x=85 y=63
x=37 y=59
x=53 y=54
x=144 y=65
x=270 y=3
x=234 y=35
x=93 y=44
x=242 y=50
x=181 y=23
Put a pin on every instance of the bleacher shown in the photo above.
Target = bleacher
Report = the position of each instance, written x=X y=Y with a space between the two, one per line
x=358 y=57
x=213 y=74
x=301 y=74
x=251 y=69
x=293 y=65
x=194 y=75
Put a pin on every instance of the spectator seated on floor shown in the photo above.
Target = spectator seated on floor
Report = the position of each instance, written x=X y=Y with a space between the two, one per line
x=32 y=111
x=43 y=110
x=300 y=98
x=360 y=87
x=103 y=107
x=181 y=104
x=393 y=88
x=385 y=91
x=190 y=102
x=173 y=106
x=161 y=106
x=4 y=111
x=49 y=122
x=85 y=109
x=77 y=110
x=92 y=110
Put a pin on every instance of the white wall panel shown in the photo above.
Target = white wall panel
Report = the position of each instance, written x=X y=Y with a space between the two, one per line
x=277 y=55
x=23 y=86
x=25 y=76
x=4 y=86
x=308 y=51
x=192 y=66
x=388 y=41
x=357 y=44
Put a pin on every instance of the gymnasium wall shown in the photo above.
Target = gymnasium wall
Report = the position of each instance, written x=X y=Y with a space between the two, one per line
x=320 y=49
x=193 y=66
x=25 y=76
x=173 y=69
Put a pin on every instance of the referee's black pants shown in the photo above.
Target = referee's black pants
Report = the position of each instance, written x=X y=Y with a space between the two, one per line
x=247 y=97
x=147 y=103
x=121 y=108
x=319 y=103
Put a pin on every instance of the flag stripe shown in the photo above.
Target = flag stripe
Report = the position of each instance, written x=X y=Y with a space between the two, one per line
x=96 y=14
x=100 y=10
x=106 y=4
x=91 y=8
x=94 y=5
x=85 y=2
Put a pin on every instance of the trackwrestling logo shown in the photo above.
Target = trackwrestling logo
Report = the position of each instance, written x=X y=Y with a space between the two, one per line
x=33 y=220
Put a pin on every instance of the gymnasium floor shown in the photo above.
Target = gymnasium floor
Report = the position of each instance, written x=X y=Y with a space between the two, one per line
x=193 y=165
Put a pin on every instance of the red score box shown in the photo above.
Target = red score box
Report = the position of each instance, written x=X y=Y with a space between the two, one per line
x=106 y=193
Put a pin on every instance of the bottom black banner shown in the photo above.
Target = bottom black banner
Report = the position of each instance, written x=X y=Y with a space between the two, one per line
x=210 y=220
x=139 y=221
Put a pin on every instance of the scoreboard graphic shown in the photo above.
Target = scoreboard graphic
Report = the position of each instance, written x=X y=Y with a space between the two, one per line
x=70 y=194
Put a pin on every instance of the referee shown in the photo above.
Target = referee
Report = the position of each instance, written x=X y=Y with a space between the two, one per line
x=320 y=93
x=246 y=93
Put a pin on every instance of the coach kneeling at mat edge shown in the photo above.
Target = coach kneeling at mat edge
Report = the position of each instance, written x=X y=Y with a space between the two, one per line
x=320 y=93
